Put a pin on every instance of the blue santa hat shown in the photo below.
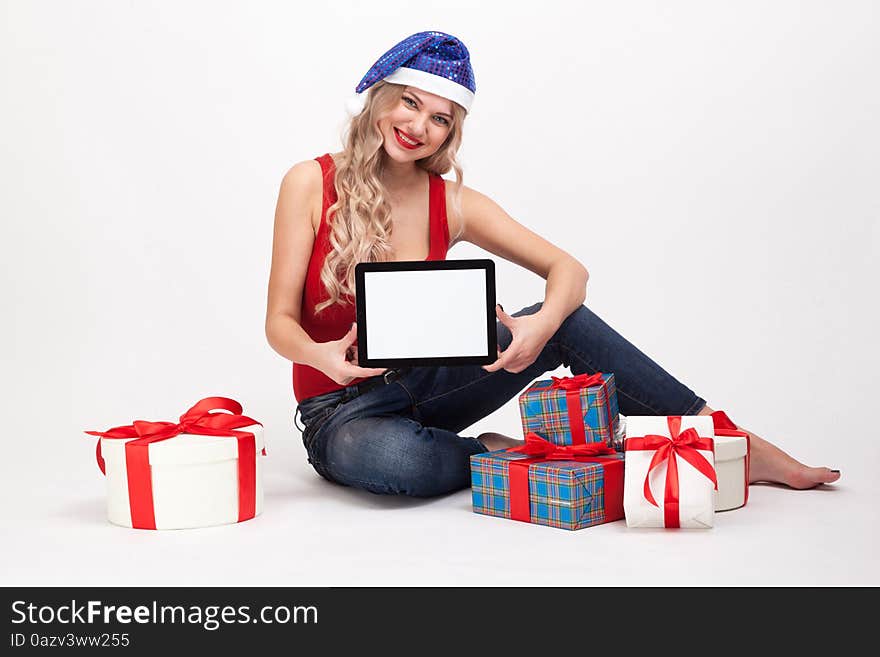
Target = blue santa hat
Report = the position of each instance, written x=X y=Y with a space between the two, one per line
x=433 y=61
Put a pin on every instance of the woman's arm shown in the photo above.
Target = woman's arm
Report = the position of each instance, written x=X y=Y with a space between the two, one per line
x=488 y=226
x=299 y=197
x=291 y=249
x=485 y=224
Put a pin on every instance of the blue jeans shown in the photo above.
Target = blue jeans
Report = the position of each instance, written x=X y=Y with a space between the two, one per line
x=403 y=438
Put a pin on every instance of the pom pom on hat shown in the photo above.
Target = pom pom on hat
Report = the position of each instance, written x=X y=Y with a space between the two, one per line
x=436 y=62
x=354 y=104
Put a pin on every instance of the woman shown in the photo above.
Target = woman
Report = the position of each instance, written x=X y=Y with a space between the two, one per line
x=397 y=431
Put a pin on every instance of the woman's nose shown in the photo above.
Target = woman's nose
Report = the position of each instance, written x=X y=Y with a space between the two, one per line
x=417 y=128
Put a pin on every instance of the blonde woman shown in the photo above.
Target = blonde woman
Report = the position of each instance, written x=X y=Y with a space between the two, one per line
x=382 y=198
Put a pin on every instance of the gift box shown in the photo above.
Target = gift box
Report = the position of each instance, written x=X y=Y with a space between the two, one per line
x=201 y=471
x=669 y=472
x=571 y=410
x=732 y=455
x=570 y=487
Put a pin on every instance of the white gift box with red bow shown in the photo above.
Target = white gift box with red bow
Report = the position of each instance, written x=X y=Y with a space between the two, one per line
x=204 y=470
x=669 y=472
x=194 y=480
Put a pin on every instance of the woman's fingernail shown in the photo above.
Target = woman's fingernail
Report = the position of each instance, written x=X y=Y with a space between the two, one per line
x=500 y=306
x=837 y=471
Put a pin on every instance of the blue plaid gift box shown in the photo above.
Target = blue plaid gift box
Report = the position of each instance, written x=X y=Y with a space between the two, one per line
x=558 y=490
x=571 y=410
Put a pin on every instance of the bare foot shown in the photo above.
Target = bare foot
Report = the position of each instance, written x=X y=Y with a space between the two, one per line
x=769 y=463
x=494 y=441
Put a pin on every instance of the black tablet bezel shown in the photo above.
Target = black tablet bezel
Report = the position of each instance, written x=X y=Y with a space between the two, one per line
x=426 y=265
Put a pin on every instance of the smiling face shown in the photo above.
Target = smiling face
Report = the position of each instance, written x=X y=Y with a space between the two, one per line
x=416 y=125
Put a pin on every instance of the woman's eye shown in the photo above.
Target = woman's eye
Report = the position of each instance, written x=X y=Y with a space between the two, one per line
x=408 y=100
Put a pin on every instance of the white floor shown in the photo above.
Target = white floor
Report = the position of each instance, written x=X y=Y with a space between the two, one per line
x=314 y=533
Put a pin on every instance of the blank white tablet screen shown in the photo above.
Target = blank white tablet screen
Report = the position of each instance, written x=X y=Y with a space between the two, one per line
x=425 y=314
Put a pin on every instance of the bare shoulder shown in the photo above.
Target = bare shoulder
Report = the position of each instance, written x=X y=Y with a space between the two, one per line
x=456 y=220
x=487 y=225
x=302 y=176
x=470 y=196
x=474 y=203
x=303 y=182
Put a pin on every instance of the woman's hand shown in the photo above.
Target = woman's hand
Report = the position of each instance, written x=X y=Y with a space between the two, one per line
x=530 y=334
x=338 y=359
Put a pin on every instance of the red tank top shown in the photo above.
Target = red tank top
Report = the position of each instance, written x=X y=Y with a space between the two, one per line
x=334 y=321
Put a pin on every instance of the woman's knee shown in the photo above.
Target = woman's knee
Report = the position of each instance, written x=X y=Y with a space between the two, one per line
x=581 y=325
x=529 y=310
x=394 y=456
x=580 y=315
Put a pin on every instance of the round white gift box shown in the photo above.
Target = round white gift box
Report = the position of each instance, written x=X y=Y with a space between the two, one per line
x=731 y=454
x=194 y=479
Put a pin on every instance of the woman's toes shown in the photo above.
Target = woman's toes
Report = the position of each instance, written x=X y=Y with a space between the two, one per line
x=805 y=477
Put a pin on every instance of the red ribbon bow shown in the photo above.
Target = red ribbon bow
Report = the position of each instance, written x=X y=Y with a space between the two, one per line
x=540 y=450
x=681 y=443
x=573 y=386
x=197 y=420
x=577 y=382
x=535 y=445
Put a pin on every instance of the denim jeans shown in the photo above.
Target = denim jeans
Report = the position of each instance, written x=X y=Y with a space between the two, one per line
x=403 y=438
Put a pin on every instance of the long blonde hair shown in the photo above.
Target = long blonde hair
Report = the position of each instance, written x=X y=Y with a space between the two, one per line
x=360 y=220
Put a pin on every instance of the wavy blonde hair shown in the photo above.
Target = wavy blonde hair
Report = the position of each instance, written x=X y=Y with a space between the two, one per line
x=360 y=220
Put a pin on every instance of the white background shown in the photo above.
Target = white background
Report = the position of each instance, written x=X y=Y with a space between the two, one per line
x=714 y=165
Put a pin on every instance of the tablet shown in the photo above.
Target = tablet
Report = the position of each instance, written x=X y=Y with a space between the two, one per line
x=438 y=312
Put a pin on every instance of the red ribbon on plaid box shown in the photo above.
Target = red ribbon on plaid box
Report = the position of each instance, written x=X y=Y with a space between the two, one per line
x=540 y=451
x=681 y=443
x=197 y=420
x=573 y=386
